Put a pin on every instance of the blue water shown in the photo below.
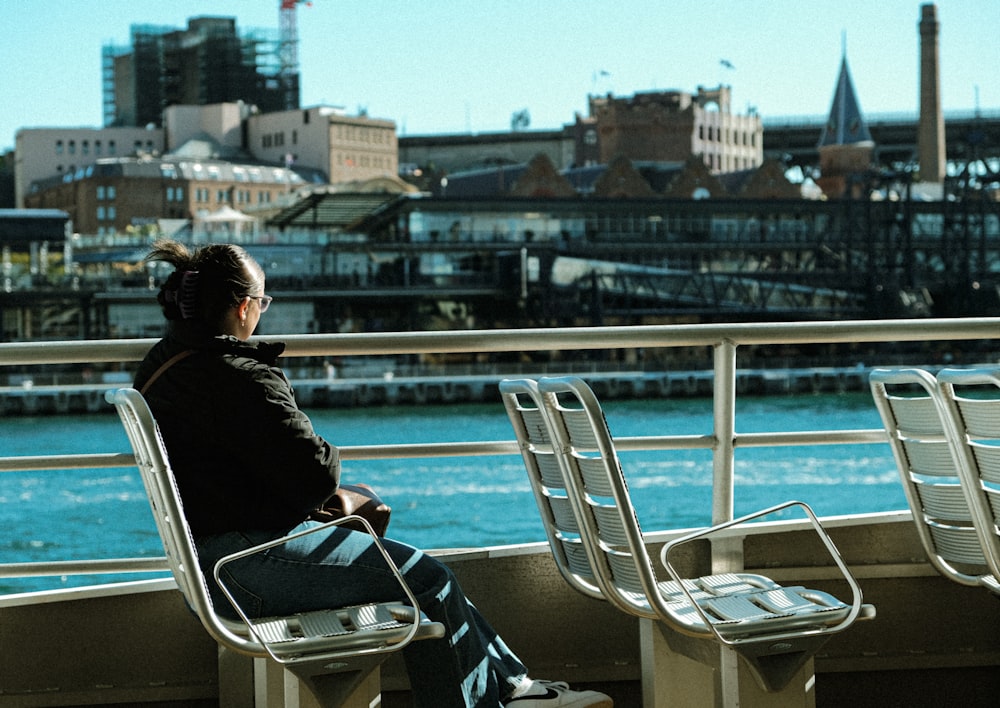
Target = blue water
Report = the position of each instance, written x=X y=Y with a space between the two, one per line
x=452 y=501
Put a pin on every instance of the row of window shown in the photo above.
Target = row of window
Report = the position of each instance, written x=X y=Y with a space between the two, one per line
x=363 y=134
x=711 y=133
x=108 y=212
x=270 y=140
x=176 y=195
x=239 y=174
x=245 y=196
x=70 y=147
x=376 y=161
x=728 y=163
x=203 y=195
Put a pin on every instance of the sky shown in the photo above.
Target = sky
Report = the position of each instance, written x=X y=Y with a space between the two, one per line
x=466 y=66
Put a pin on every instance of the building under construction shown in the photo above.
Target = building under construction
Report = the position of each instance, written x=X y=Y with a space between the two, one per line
x=208 y=62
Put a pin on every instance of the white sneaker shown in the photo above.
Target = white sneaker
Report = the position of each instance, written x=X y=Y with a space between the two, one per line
x=558 y=695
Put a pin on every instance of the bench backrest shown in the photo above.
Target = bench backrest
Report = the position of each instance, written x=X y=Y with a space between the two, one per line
x=972 y=397
x=598 y=540
x=569 y=453
x=521 y=400
x=920 y=424
x=168 y=513
x=313 y=637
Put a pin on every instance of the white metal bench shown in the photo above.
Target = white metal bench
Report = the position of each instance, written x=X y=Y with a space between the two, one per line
x=945 y=442
x=598 y=545
x=331 y=652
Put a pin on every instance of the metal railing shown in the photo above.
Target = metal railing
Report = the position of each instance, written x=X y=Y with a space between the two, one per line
x=722 y=440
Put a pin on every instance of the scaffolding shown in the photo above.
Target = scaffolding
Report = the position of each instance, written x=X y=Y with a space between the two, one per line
x=208 y=62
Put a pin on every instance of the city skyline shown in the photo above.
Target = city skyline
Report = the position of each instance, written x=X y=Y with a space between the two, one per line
x=439 y=68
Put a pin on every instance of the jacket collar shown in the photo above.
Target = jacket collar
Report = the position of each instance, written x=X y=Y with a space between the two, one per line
x=191 y=335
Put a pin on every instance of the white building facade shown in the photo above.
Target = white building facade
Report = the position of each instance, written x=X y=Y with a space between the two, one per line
x=347 y=148
x=42 y=153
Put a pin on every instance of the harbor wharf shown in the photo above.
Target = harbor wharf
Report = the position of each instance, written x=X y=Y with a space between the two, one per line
x=391 y=389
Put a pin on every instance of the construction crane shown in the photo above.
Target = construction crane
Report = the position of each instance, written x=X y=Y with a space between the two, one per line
x=288 y=51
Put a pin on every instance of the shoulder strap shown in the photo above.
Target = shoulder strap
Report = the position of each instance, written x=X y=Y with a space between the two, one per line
x=164 y=366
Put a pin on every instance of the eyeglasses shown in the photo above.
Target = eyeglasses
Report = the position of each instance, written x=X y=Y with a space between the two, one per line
x=265 y=301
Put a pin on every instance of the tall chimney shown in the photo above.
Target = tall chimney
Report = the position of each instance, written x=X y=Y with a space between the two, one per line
x=930 y=132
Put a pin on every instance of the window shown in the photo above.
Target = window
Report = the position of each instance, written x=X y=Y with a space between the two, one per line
x=97 y=147
x=112 y=147
x=100 y=213
x=59 y=147
x=100 y=193
x=72 y=147
x=111 y=192
x=85 y=147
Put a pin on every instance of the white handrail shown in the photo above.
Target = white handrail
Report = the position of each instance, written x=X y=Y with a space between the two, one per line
x=541 y=339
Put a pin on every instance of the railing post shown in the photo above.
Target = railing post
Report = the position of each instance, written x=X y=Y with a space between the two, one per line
x=723 y=430
x=727 y=553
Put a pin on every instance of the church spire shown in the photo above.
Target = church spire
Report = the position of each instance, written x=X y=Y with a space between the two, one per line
x=845 y=125
x=846 y=146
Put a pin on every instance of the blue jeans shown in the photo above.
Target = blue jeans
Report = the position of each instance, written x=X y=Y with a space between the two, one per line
x=470 y=667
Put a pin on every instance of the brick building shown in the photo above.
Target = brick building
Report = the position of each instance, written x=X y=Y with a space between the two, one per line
x=665 y=126
x=223 y=155
x=671 y=126
x=115 y=194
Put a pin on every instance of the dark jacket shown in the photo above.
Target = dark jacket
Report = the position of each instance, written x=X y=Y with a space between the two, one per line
x=245 y=456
